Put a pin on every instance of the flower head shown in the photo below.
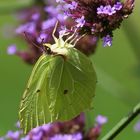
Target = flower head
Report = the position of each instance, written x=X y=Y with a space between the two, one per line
x=104 y=16
x=70 y=130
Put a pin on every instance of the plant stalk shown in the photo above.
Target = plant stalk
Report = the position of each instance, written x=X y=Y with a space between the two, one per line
x=123 y=123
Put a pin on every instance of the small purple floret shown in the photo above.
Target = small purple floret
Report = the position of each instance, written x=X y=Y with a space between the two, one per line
x=77 y=136
x=13 y=135
x=35 y=16
x=48 y=23
x=107 y=41
x=73 y=5
x=12 y=49
x=80 y=21
x=109 y=10
x=137 y=127
x=101 y=119
x=28 y=27
x=100 y=10
x=118 y=6
x=46 y=127
x=60 y=1
x=42 y=36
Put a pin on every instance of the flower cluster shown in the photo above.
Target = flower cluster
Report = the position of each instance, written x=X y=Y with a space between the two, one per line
x=98 y=17
x=37 y=26
x=108 y=9
x=71 y=130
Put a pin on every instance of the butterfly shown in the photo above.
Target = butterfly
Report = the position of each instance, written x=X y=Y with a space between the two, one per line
x=61 y=86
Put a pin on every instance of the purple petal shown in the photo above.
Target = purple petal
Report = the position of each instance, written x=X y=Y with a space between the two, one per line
x=77 y=136
x=80 y=21
x=137 y=127
x=36 y=130
x=101 y=119
x=48 y=23
x=41 y=37
x=28 y=27
x=12 y=49
x=60 y=1
x=46 y=127
x=118 y=6
x=35 y=16
x=107 y=41
x=13 y=135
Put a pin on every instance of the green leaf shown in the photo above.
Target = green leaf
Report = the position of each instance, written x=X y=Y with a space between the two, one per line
x=59 y=89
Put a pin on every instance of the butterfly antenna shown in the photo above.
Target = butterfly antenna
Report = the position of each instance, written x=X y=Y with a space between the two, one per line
x=54 y=30
x=30 y=41
x=69 y=38
x=75 y=38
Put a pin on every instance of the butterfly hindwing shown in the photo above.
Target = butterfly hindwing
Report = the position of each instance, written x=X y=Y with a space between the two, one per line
x=76 y=88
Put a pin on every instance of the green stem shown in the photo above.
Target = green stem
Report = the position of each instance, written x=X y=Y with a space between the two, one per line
x=122 y=124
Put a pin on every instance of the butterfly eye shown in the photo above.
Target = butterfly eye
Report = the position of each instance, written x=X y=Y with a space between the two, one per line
x=47 y=48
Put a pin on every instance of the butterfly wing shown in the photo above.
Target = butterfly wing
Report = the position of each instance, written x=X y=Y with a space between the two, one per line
x=75 y=87
x=58 y=90
x=34 y=108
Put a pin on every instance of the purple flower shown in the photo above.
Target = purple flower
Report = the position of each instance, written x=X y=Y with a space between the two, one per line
x=77 y=136
x=12 y=49
x=26 y=138
x=105 y=16
x=107 y=41
x=37 y=136
x=118 y=6
x=13 y=135
x=109 y=10
x=36 y=130
x=35 y=16
x=101 y=119
x=46 y=127
x=67 y=14
x=53 y=11
x=73 y=5
x=137 y=127
x=48 y=23
x=100 y=10
x=41 y=37
x=80 y=21
x=60 y=1
x=28 y=27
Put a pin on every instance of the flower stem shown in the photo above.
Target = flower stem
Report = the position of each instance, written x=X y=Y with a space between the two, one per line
x=123 y=123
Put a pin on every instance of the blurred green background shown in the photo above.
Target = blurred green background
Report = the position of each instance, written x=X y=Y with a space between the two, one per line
x=117 y=67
